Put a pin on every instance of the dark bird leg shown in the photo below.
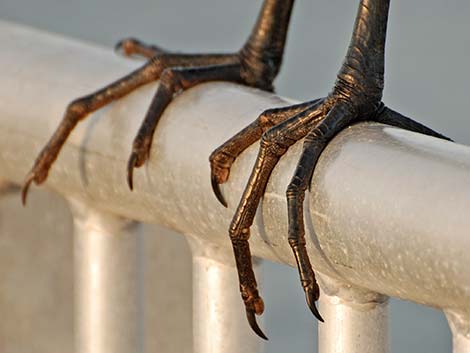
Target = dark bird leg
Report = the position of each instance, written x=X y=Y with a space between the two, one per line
x=256 y=65
x=356 y=96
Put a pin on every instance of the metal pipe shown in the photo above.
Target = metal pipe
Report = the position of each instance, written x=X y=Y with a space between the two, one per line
x=389 y=207
x=219 y=321
x=356 y=321
x=108 y=283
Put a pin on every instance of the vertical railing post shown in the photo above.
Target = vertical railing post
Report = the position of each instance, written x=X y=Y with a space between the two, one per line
x=460 y=327
x=219 y=321
x=356 y=321
x=108 y=283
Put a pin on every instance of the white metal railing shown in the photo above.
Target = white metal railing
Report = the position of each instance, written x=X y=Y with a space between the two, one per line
x=389 y=207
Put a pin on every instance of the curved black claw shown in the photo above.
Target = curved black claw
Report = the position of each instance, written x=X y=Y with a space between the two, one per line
x=217 y=191
x=250 y=314
x=24 y=191
x=130 y=170
x=119 y=46
x=310 y=296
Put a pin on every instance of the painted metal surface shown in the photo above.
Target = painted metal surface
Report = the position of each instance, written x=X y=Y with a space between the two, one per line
x=108 y=283
x=356 y=320
x=219 y=320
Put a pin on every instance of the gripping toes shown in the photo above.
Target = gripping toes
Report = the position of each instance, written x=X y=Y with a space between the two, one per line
x=256 y=64
x=192 y=69
x=316 y=140
x=78 y=110
x=317 y=122
x=222 y=159
x=274 y=144
x=172 y=81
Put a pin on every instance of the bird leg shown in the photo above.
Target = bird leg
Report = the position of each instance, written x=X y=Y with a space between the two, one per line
x=356 y=96
x=256 y=64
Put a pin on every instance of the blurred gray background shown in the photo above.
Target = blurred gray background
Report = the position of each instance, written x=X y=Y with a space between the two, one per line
x=427 y=77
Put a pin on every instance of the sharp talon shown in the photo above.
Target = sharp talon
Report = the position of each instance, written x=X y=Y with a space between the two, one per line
x=254 y=325
x=24 y=191
x=218 y=192
x=313 y=307
x=118 y=46
x=130 y=170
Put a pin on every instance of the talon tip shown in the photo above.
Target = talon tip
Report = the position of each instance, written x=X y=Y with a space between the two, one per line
x=24 y=190
x=218 y=192
x=118 y=46
x=314 y=310
x=130 y=171
x=254 y=325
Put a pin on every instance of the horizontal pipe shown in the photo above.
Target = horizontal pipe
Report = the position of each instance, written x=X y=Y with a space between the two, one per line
x=389 y=207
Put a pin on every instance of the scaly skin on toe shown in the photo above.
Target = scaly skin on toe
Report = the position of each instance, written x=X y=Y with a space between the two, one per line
x=256 y=64
x=222 y=158
x=134 y=47
x=356 y=96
